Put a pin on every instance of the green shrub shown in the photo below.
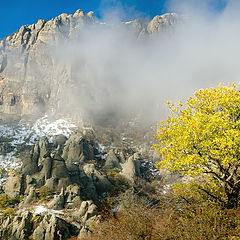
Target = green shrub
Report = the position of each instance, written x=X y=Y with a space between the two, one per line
x=9 y=212
x=119 y=182
x=44 y=192
x=5 y=200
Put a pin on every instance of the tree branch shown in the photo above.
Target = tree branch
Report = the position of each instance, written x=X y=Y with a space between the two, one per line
x=211 y=195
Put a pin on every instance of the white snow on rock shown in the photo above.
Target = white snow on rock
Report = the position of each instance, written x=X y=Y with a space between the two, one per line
x=44 y=127
x=40 y=210
x=43 y=210
x=9 y=161
x=27 y=133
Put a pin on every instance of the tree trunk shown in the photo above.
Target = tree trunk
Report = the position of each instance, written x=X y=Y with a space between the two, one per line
x=233 y=198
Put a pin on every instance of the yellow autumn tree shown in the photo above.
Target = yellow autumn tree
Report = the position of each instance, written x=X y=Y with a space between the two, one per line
x=203 y=138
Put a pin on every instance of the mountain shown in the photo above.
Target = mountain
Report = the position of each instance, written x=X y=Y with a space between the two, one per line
x=37 y=76
x=57 y=175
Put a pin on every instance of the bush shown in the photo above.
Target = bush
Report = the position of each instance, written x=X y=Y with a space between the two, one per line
x=119 y=182
x=5 y=200
x=9 y=212
x=44 y=192
x=133 y=221
x=137 y=219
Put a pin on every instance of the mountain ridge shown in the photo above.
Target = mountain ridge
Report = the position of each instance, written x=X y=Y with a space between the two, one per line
x=32 y=79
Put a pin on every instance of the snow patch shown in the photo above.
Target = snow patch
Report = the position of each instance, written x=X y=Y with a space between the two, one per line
x=26 y=133
x=42 y=210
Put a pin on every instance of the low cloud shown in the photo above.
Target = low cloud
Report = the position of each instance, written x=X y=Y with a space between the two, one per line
x=119 y=72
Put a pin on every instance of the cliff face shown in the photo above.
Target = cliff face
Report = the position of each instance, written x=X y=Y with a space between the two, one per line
x=33 y=81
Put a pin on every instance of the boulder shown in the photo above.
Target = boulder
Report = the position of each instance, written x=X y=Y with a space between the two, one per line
x=100 y=181
x=39 y=233
x=91 y=212
x=31 y=197
x=58 y=202
x=112 y=161
x=87 y=210
x=54 y=228
x=57 y=229
x=22 y=226
x=60 y=140
x=84 y=232
x=77 y=149
x=29 y=164
x=13 y=186
x=131 y=167
x=73 y=198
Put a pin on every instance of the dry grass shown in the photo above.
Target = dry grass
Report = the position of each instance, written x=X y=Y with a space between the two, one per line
x=139 y=220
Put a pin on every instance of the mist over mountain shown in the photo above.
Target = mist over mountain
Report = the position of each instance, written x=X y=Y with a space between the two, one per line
x=79 y=66
x=74 y=64
x=79 y=101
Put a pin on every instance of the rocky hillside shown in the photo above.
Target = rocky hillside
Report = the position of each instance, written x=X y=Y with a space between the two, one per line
x=32 y=79
x=60 y=176
x=64 y=182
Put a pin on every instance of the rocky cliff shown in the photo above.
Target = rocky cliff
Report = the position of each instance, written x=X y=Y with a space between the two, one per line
x=32 y=79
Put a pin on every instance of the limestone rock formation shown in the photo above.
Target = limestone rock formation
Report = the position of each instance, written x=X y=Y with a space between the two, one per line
x=58 y=201
x=77 y=149
x=32 y=78
x=87 y=210
x=162 y=22
x=13 y=186
x=100 y=181
x=131 y=168
x=18 y=227
x=53 y=228
x=112 y=162
x=73 y=196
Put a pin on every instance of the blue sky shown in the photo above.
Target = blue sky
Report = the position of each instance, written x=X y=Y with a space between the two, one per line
x=16 y=13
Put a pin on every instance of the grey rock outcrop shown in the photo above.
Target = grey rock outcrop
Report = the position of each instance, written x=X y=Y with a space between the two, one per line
x=162 y=22
x=32 y=79
x=25 y=226
x=112 y=161
x=73 y=196
x=22 y=226
x=54 y=228
x=13 y=186
x=86 y=211
x=58 y=202
x=131 y=167
x=60 y=140
x=31 y=197
x=46 y=171
x=19 y=227
x=84 y=232
x=77 y=149
x=100 y=181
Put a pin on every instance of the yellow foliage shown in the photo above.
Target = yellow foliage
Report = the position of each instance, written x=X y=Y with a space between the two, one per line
x=203 y=137
x=208 y=129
